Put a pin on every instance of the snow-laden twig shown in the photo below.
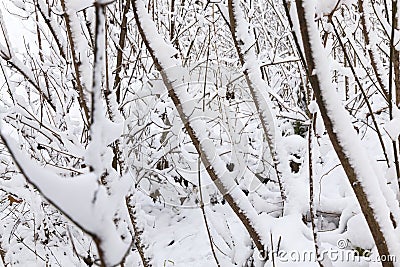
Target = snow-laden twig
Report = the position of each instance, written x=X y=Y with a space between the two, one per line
x=79 y=58
x=54 y=28
x=362 y=177
x=81 y=199
x=163 y=55
x=84 y=199
x=247 y=56
x=371 y=44
x=27 y=73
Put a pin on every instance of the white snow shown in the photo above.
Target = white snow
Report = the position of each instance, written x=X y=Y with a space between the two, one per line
x=348 y=137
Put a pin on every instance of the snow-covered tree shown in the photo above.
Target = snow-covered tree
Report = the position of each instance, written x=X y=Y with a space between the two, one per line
x=199 y=133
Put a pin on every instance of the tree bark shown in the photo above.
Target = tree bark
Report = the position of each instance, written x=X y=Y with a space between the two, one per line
x=355 y=181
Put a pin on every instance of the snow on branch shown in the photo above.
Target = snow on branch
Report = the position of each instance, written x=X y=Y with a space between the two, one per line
x=82 y=199
x=164 y=57
x=353 y=156
x=244 y=43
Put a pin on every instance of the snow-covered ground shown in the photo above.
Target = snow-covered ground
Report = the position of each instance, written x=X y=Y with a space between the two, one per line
x=136 y=133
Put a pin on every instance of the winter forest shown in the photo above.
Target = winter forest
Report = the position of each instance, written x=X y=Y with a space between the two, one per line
x=200 y=133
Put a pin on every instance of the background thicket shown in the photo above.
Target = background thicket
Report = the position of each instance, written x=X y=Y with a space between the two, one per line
x=199 y=133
